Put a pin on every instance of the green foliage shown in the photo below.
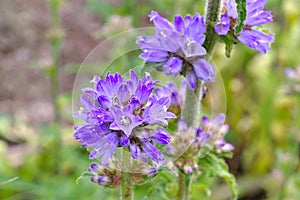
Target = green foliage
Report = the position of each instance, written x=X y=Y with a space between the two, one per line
x=212 y=165
x=229 y=41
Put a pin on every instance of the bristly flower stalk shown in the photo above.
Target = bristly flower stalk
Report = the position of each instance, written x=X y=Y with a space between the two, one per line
x=191 y=111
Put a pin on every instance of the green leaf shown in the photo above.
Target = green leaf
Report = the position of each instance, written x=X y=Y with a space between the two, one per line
x=228 y=45
x=150 y=66
x=229 y=41
x=82 y=176
x=242 y=13
x=215 y=166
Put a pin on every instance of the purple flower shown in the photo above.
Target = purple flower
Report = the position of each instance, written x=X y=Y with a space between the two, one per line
x=256 y=16
x=122 y=113
x=169 y=90
x=223 y=24
x=104 y=176
x=216 y=129
x=186 y=145
x=189 y=141
x=178 y=47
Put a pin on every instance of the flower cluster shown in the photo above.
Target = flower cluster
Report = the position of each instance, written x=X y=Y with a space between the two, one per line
x=178 y=47
x=256 y=16
x=104 y=176
x=123 y=113
x=189 y=142
x=110 y=175
x=216 y=130
x=293 y=85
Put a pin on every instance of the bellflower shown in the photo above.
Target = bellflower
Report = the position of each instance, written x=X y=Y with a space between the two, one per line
x=256 y=16
x=189 y=141
x=122 y=113
x=178 y=47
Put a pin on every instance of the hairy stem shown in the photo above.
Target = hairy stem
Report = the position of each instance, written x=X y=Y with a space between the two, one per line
x=211 y=16
x=184 y=182
x=191 y=110
x=126 y=192
x=126 y=187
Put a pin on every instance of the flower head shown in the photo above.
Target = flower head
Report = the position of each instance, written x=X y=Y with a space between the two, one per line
x=178 y=47
x=104 y=176
x=256 y=16
x=216 y=129
x=119 y=113
x=189 y=142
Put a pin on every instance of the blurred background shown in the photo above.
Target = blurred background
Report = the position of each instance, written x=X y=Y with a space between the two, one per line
x=42 y=45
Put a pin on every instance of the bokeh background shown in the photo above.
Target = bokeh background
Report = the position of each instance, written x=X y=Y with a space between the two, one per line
x=42 y=45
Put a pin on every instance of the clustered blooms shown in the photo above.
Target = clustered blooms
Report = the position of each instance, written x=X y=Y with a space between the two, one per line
x=122 y=113
x=189 y=141
x=256 y=16
x=104 y=176
x=216 y=130
x=178 y=47
x=132 y=113
x=293 y=85
x=110 y=175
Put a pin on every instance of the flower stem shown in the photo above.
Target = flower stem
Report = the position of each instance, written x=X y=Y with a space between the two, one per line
x=184 y=182
x=56 y=38
x=126 y=187
x=126 y=192
x=191 y=110
x=211 y=16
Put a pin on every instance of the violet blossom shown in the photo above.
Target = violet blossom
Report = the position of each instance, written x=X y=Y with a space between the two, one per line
x=122 y=113
x=256 y=16
x=189 y=141
x=178 y=47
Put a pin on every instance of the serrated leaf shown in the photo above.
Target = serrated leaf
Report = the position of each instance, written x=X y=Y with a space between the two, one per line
x=215 y=166
x=242 y=13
